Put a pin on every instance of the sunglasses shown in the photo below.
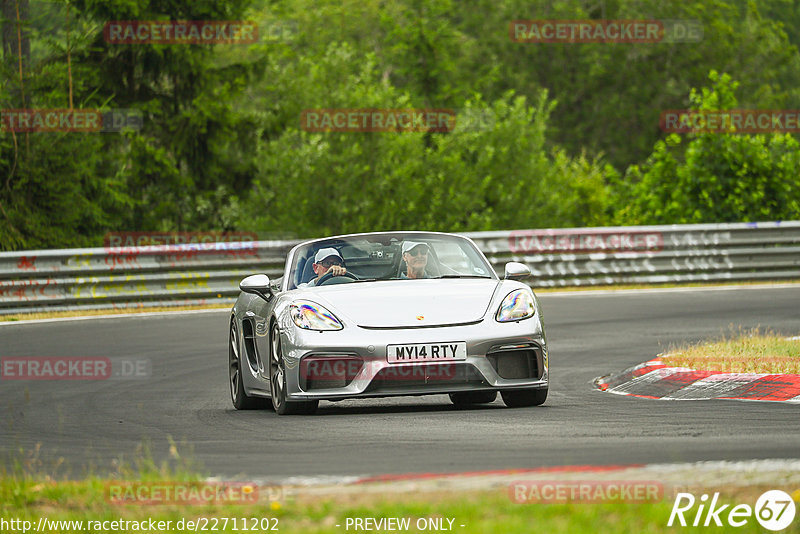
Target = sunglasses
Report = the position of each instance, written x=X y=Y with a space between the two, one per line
x=329 y=263
x=419 y=251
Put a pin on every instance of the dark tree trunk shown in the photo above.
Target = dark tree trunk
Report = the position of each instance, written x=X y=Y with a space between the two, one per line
x=11 y=39
x=14 y=16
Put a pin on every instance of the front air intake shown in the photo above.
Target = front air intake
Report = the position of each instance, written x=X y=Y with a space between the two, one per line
x=516 y=362
x=326 y=372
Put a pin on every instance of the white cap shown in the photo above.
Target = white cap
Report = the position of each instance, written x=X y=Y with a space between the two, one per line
x=324 y=253
x=408 y=245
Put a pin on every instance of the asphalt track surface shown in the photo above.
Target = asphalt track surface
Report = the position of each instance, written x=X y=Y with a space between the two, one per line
x=86 y=425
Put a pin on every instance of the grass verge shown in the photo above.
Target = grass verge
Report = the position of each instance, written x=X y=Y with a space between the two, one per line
x=29 y=493
x=750 y=351
x=463 y=512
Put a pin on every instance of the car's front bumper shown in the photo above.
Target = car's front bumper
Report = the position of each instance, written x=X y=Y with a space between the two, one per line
x=500 y=356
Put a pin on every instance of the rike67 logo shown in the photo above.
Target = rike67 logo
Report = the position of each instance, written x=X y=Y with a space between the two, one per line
x=774 y=510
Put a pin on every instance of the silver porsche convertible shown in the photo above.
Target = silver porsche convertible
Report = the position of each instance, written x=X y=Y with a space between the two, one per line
x=385 y=314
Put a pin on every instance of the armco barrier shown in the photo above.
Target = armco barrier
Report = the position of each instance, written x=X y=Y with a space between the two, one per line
x=650 y=254
x=134 y=277
x=209 y=273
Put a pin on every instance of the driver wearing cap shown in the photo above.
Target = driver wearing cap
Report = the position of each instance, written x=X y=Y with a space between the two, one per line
x=415 y=254
x=325 y=260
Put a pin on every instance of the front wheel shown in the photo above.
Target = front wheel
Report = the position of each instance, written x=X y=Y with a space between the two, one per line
x=277 y=382
x=524 y=397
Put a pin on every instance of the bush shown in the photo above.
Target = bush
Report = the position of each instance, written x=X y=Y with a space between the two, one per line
x=717 y=178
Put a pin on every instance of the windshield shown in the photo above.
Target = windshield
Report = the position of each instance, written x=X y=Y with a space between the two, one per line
x=374 y=257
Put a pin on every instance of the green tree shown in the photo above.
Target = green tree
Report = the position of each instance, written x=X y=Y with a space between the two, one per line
x=502 y=174
x=726 y=177
x=195 y=149
x=56 y=188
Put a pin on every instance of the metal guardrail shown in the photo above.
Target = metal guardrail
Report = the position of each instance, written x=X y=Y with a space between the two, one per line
x=650 y=254
x=133 y=277
x=209 y=273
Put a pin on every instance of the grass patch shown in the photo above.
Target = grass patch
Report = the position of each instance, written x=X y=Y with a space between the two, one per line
x=740 y=352
x=477 y=511
x=28 y=495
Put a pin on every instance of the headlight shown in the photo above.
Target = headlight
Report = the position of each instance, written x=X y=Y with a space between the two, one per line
x=516 y=306
x=311 y=316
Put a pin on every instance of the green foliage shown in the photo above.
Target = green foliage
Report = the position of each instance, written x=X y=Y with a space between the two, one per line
x=61 y=198
x=609 y=95
x=718 y=177
x=179 y=172
x=499 y=175
x=56 y=189
x=574 y=139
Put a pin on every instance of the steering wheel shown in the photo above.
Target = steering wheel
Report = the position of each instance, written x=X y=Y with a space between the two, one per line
x=327 y=276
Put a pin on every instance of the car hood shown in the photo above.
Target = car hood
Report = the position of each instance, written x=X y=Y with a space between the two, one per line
x=410 y=303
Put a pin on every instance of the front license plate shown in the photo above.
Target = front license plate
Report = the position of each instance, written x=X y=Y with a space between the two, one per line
x=427 y=352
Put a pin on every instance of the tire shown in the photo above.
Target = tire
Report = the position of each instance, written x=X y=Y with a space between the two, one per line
x=524 y=397
x=277 y=381
x=241 y=400
x=469 y=398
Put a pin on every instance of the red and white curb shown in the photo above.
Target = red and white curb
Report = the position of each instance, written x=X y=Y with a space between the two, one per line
x=654 y=380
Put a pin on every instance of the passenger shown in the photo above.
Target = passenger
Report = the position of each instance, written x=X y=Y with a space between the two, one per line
x=415 y=254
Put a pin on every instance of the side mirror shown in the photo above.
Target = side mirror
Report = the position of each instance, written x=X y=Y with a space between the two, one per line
x=516 y=271
x=257 y=284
